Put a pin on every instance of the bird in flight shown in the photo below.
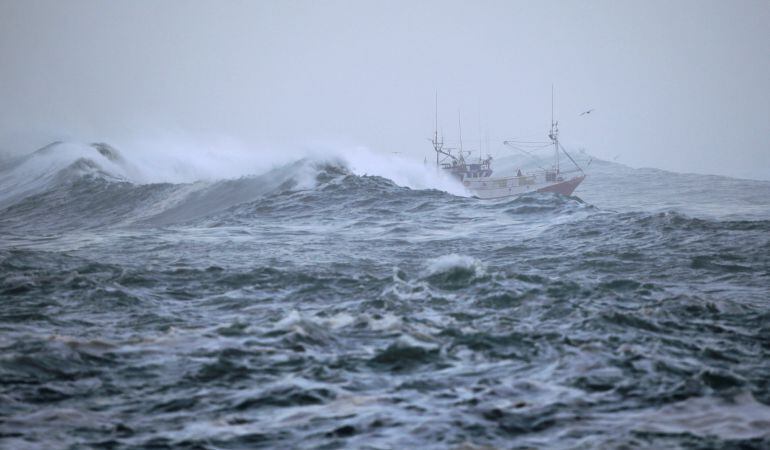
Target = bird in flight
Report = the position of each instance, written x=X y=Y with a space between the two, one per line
x=586 y=112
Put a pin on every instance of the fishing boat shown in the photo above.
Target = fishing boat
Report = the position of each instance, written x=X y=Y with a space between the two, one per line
x=477 y=177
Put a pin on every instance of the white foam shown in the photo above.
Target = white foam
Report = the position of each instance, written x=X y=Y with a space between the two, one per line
x=741 y=417
x=447 y=263
x=402 y=171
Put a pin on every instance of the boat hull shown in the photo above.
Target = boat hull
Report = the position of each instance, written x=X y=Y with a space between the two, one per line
x=515 y=186
x=565 y=187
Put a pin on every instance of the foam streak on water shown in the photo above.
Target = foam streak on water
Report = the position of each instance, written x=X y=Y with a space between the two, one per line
x=319 y=304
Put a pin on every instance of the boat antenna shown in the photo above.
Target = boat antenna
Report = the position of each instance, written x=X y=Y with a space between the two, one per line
x=438 y=146
x=481 y=136
x=435 y=129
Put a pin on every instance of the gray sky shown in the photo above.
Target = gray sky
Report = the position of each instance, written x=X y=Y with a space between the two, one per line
x=681 y=85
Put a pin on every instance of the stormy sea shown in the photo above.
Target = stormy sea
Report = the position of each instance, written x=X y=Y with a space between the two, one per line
x=317 y=304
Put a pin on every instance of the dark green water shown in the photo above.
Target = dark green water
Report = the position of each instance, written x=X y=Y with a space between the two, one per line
x=356 y=313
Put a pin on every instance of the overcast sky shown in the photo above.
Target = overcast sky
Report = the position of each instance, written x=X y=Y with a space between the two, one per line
x=679 y=85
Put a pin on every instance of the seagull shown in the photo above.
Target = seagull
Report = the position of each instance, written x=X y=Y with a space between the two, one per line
x=586 y=112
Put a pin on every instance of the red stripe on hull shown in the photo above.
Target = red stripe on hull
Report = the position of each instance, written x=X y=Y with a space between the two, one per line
x=565 y=187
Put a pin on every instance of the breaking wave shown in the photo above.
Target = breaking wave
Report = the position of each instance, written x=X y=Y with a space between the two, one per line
x=69 y=180
x=63 y=162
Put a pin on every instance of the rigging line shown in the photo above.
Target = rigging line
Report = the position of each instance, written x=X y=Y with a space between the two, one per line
x=541 y=146
x=528 y=142
x=510 y=144
x=535 y=159
x=528 y=138
x=570 y=158
x=531 y=145
x=532 y=149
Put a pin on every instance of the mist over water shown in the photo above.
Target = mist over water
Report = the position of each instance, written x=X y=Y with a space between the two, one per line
x=189 y=295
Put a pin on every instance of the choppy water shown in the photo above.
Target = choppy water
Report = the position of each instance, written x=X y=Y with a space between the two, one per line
x=311 y=307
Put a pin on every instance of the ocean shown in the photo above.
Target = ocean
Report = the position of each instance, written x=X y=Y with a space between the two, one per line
x=317 y=305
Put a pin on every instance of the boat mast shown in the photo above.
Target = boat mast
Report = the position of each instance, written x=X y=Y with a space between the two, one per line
x=438 y=146
x=460 y=133
x=554 y=134
x=480 y=137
